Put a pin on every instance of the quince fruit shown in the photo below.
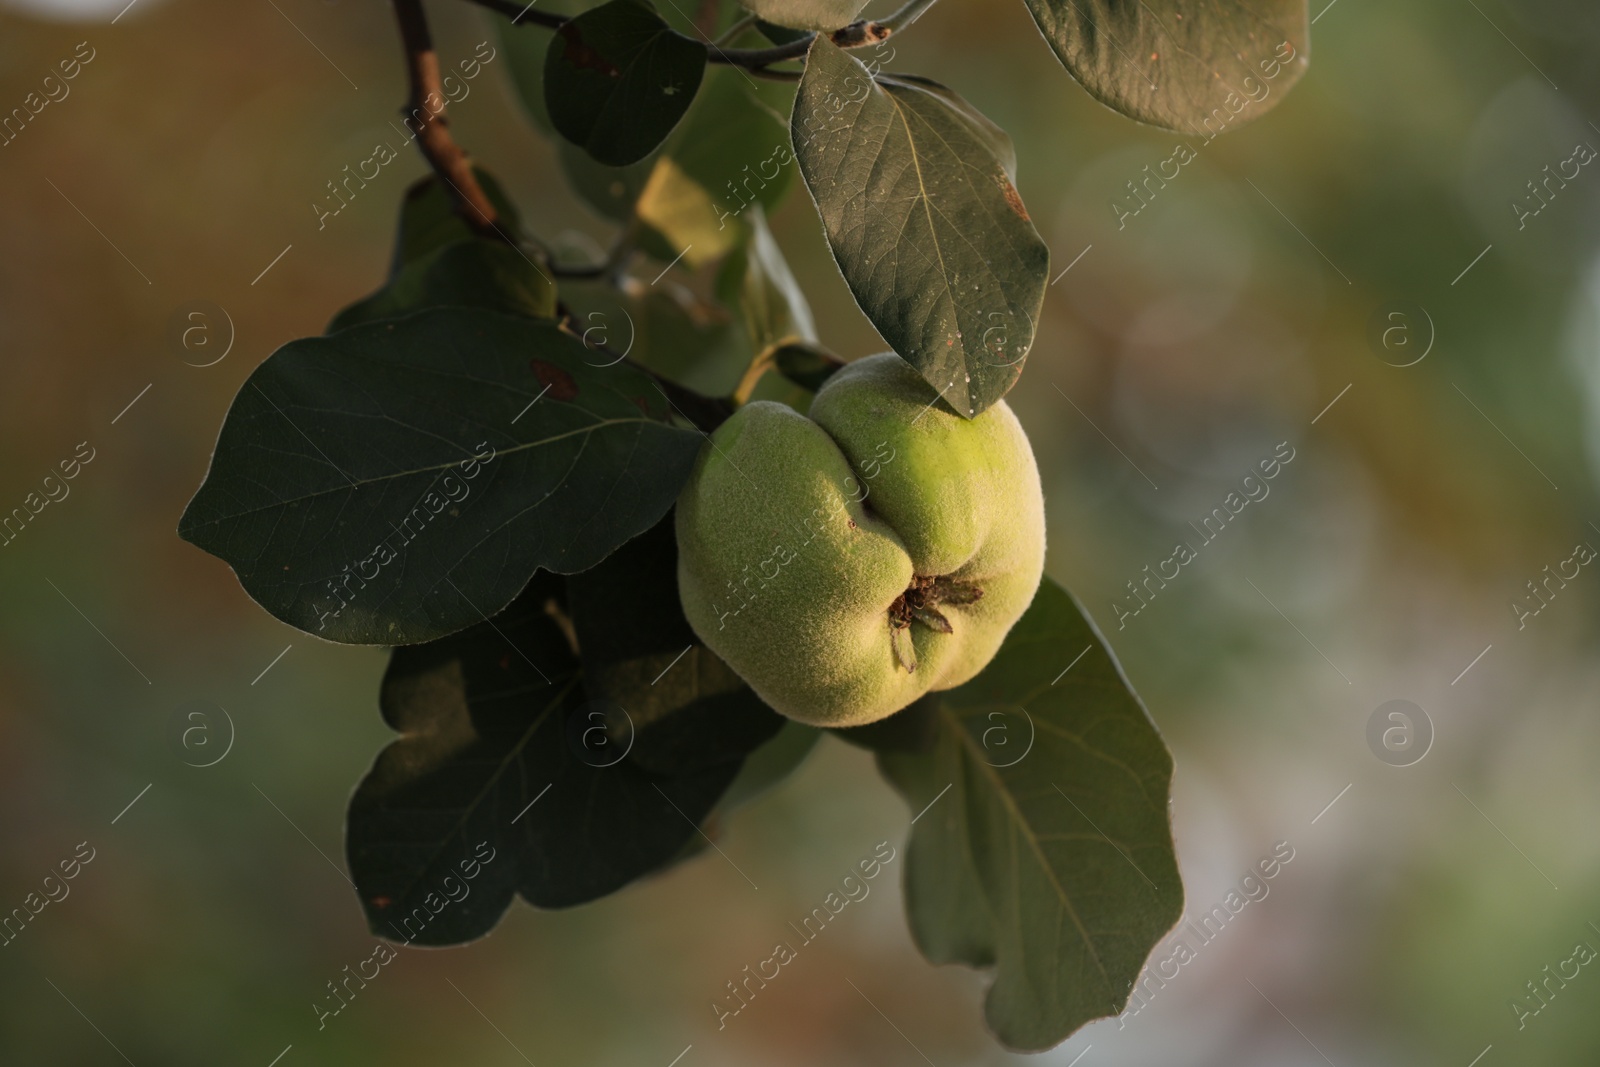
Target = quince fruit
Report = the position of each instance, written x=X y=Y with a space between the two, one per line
x=846 y=563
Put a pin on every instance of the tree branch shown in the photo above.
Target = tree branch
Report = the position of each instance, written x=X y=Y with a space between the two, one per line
x=523 y=14
x=431 y=130
x=431 y=127
x=731 y=34
x=911 y=12
x=856 y=35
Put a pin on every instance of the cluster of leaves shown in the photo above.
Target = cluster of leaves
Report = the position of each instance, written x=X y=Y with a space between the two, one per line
x=476 y=465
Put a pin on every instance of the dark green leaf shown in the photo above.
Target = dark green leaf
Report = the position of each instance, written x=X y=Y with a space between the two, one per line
x=428 y=219
x=1194 y=67
x=807 y=14
x=684 y=708
x=526 y=44
x=618 y=79
x=490 y=792
x=398 y=481
x=1050 y=858
x=470 y=273
x=916 y=196
x=807 y=365
x=762 y=770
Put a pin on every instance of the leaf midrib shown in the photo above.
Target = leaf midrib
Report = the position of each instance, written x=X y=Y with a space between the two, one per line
x=992 y=773
x=354 y=485
x=933 y=231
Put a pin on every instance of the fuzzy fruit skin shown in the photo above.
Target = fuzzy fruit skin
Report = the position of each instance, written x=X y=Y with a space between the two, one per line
x=797 y=534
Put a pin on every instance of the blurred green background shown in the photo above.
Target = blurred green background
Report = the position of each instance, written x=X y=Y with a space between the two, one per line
x=1176 y=353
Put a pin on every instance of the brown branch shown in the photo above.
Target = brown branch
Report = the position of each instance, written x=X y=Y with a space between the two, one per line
x=424 y=115
x=449 y=161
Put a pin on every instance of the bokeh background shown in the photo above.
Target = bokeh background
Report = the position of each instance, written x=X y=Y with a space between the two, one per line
x=1178 y=351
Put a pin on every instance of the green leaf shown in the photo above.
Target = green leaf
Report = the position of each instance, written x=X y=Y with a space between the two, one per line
x=399 y=481
x=916 y=196
x=492 y=790
x=474 y=273
x=526 y=45
x=807 y=14
x=755 y=278
x=1195 y=67
x=807 y=365
x=1050 y=858
x=428 y=219
x=763 y=769
x=683 y=707
x=618 y=79
x=731 y=152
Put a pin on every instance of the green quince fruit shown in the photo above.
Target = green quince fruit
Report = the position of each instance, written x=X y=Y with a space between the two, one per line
x=846 y=563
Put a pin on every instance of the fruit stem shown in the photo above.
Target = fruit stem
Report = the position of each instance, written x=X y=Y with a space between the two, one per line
x=759 y=366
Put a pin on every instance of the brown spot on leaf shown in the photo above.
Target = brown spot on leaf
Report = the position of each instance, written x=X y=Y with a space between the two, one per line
x=555 y=379
x=381 y=902
x=642 y=404
x=578 y=53
x=1013 y=201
